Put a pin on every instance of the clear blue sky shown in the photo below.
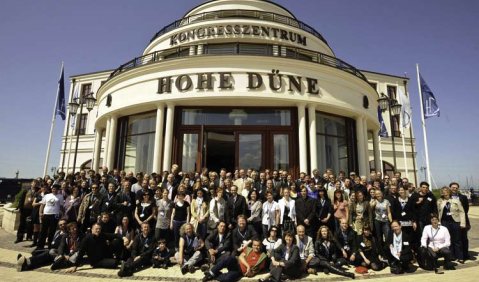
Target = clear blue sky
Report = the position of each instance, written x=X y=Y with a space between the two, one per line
x=383 y=36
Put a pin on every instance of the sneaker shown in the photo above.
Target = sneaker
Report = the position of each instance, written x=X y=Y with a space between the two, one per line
x=21 y=263
x=191 y=269
x=18 y=241
x=438 y=272
x=184 y=269
x=312 y=271
x=449 y=267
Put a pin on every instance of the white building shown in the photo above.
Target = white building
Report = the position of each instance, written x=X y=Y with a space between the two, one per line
x=236 y=84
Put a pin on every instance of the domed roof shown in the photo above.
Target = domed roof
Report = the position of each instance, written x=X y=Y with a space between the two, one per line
x=258 y=5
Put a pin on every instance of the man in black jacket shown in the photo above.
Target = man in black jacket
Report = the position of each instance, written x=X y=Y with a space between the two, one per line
x=141 y=252
x=305 y=212
x=43 y=257
x=218 y=243
x=99 y=247
x=425 y=206
x=236 y=205
x=68 y=248
x=346 y=237
x=398 y=249
x=242 y=235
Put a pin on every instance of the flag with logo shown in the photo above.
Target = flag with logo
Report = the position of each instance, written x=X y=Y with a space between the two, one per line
x=429 y=102
x=61 y=108
x=405 y=109
x=383 y=132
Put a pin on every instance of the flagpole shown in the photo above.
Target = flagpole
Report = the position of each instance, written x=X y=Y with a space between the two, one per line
x=411 y=136
x=68 y=129
x=71 y=141
x=428 y=171
x=47 y=157
x=401 y=125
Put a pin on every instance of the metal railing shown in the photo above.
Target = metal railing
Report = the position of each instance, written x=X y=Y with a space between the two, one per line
x=251 y=14
x=281 y=52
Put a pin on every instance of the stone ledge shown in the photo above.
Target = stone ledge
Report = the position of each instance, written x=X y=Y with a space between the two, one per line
x=11 y=219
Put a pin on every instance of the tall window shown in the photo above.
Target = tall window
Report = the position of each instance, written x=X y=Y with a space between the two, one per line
x=85 y=89
x=137 y=141
x=81 y=124
x=392 y=90
x=334 y=143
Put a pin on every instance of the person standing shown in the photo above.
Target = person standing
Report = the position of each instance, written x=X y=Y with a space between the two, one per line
x=50 y=210
x=465 y=204
x=25 y=206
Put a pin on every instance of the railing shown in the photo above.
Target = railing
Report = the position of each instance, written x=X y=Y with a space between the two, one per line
x=268 y=51
x=267 y=16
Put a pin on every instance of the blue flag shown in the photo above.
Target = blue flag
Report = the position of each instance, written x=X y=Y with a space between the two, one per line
x=429 y=102
x=61 y=110
x=383 y=132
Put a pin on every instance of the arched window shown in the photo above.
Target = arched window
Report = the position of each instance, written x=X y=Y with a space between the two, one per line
x=387 y=168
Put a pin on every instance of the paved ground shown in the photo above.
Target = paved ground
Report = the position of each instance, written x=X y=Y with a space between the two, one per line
x=9 y=251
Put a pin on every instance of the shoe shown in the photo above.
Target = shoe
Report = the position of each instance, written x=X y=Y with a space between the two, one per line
x=312 y=271
x=191 y=269
x=438 y=272
x=326 y=271
x=207 y=277
x=21 y=263
x=461 y=261
x=121 y=272
x=18 y=241
x=19 y=256
x=184 y=269
x=449 y=267
x=205 y=267
x=350 y=275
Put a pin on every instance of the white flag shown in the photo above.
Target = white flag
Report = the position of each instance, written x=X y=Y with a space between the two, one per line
x=405 y=109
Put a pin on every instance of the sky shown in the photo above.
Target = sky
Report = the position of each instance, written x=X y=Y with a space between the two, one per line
x=377 y=35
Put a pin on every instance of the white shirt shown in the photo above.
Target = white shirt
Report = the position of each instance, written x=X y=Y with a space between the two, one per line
x=438 y=238
x=269 y=213
x=52 y=203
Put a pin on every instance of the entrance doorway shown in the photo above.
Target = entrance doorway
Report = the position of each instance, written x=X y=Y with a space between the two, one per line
x=256 y=138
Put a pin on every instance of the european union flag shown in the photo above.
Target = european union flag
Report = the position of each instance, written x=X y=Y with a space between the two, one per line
x=429 y=102
x=61 y=110
x=383 y=132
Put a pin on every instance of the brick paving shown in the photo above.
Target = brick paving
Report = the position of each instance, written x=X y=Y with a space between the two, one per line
x=8 y=252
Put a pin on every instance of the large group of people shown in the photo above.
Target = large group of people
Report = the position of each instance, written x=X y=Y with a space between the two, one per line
x=245 y=221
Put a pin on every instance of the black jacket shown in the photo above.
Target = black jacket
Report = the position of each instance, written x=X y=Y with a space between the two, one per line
x=64 y=249
x=233 y=209
x=305 y=209
x=294 y=259
x=406 y=252
x=95 y=247
x=238 y=237
x=426 y=208
x=213 y=242
x=348 y=242
x=143 y=246
x=327 y=253
x=403 y=214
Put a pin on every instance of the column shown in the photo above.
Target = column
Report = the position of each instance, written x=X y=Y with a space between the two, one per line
x=97 y=148
x=366 y=146
x=312 y=137
x=107 y=143
x=303 y=159
x=168 y=137
x=111 y=142
x=377 y=157
x=360 y=145
x=158 y=139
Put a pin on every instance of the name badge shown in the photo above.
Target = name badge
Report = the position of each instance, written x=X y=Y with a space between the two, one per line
x=448 y=213
x=363 y=245
x=142 y=215
x=403 y=213
x=162 y=213
x=107 y=204
x=429 y=199
x=405 y=243
x=384 y=216
x=90 y=207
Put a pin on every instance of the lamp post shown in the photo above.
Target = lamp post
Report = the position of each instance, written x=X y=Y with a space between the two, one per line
x=394 y=108
x=87 y=100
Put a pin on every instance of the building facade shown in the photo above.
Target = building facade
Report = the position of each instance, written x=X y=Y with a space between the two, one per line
x=236 y=84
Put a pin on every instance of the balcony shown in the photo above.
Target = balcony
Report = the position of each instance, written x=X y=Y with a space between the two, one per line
x=239 y=14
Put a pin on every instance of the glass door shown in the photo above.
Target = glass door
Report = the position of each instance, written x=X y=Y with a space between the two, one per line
x=220 y=150
x=250 y=151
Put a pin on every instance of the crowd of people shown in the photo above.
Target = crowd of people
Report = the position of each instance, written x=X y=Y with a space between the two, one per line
x=245 y=221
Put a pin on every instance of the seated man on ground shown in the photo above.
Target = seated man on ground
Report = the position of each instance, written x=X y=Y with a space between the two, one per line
x=191 y=249
x=161 y=255
x=141 y=252
x=69 y=247
x=306 y=251
x=249 y=263
x=43 y=257
x=218 y=243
